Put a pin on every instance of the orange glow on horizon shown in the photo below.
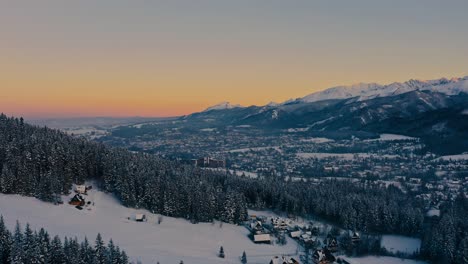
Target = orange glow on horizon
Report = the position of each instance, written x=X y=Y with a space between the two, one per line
x=170 y=58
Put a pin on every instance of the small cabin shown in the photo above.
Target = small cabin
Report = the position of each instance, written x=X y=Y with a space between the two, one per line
x=295 y=234
x=279 y=223
x=277 y=260
x=293 y=261
x=262 y=238
x=256 y=226
x=356 y=237
x=332 y=244
x=77 y=200
x=323 y=256
x=140 y=217
x=283 y=260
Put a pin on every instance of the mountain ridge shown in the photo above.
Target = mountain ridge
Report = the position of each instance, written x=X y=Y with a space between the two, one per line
x=366 y=91
x=438 y=118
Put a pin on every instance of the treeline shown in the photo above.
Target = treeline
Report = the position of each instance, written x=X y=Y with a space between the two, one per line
x=352 y=205
x=32 y=247
x=44 y=163
x=446 y=238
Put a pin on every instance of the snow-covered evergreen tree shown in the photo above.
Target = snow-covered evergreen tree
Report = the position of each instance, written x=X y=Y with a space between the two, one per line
x=244 y=258
x=100 y=250
x=17 y=253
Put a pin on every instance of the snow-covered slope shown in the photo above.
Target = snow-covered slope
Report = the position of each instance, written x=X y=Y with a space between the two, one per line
x=382 y=260
x=366 y=91
x=170 y=242
x=222 y=106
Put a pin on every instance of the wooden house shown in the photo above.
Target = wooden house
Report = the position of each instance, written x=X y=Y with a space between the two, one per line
x=332 y=244
x=279 y=223
x=256 y=226
x=293 y=261
x=262 y=238
x=323 y=256
x=355 y=237
x=283 y=260
x=295 y=234
x=140 y=217
x=77 y=200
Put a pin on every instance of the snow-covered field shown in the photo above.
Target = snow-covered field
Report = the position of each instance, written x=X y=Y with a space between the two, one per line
x=394 y=243
x=391 y=137
x=255 y=149
x=463 y=156
x=346 y=156
x=171 y=241
x=249 y=174
x=208 y=129
x=91 y=132
x=317 y=140
x=382 y=260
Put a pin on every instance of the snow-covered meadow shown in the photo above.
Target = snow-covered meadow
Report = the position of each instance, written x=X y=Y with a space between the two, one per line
x=169 y=242
x=382 y=260
x=395 y=244
x=391 y=137
x=344 y=156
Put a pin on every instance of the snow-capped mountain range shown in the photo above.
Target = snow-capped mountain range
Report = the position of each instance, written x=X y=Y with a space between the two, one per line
x=433 y=110
x=366 y=91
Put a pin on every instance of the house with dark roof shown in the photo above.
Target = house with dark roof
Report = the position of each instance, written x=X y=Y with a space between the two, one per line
x=323 y=256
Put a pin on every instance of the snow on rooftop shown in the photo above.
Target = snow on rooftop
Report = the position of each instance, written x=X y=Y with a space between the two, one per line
x=262 y=238
x=433 y=212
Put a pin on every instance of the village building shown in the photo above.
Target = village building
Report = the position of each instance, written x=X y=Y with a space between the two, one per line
x=256 y=226
x=279 y=223
x=355 y=237
x=77 y=200
x=332 y=244
x=208 y=162
x=283 y=260
x=295 y=234
x=323 y=256
x=262 y=238
x=140 y=217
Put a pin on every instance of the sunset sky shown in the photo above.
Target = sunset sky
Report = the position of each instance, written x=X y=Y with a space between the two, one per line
x=164 y=58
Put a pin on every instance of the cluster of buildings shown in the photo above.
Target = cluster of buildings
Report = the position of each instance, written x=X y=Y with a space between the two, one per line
x=283 y=260
x=311 y=238
x=207 y=162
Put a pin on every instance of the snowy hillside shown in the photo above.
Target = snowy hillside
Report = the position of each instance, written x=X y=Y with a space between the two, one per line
x=171 y=241
x=373 y=90
x=382 y=260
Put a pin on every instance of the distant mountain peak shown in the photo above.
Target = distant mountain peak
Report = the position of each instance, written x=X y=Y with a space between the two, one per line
x=222 y=106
